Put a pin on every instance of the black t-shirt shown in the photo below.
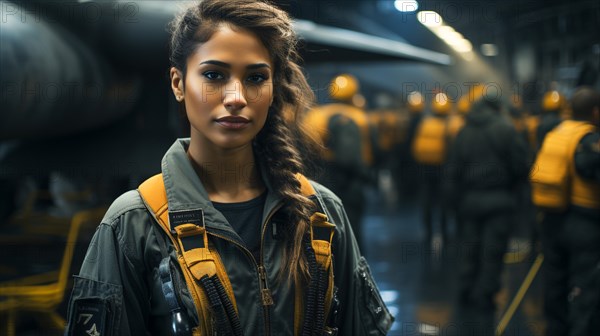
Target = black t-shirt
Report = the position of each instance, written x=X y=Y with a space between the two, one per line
x=246 y=220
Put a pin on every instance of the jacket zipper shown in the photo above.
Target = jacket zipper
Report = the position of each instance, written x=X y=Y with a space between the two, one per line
x=265 y=292
x=267 y=298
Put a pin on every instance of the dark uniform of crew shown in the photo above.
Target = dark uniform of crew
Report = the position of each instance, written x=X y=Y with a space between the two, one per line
x=487 y=161
x=405 y=173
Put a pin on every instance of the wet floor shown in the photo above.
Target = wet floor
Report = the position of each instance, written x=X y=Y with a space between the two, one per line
x=419 y=282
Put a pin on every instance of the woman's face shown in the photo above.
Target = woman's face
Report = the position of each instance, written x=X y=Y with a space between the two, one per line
x=228 y=88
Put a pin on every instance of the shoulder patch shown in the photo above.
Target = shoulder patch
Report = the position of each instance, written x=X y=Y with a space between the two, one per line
x=90 y=317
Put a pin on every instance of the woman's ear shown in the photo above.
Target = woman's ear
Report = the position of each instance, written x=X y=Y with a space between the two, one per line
x=177 y=83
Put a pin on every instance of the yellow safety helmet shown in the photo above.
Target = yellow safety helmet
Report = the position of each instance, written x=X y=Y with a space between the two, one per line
x=464 y=104
x=415 y=102
x=552 y=101
x=466 y=101
x=343 y=87
x=441 y=104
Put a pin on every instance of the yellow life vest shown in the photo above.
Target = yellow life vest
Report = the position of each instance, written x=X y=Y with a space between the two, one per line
x=554 y=179
x=198 y=263
x=430 y=144
x=317 y=119
x=455 y=123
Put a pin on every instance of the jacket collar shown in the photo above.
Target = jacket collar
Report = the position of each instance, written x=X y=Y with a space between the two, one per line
x=185 y=191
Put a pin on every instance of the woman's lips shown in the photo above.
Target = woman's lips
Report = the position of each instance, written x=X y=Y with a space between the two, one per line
x=233 y=122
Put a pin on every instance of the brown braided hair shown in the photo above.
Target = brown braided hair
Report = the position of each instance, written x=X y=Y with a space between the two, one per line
x=279 y=144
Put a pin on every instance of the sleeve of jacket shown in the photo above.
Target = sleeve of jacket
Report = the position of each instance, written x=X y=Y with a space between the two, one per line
x=362 y=310
x=109 y=295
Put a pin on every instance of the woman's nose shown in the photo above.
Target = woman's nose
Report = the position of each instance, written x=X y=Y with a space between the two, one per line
x=234 y=96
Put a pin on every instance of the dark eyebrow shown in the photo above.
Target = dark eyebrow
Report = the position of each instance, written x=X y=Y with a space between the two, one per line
x=228 y=66
x=258 y=66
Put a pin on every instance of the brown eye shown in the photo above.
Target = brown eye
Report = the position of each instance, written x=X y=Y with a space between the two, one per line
x=257 y=78
x=213 y=75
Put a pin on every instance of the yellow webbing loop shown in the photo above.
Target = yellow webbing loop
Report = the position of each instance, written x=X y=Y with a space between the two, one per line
x=323 y=252
x=194 y=263
x=200 y=261
x=322 y=247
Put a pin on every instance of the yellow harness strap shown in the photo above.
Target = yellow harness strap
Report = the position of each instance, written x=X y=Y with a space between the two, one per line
x=196 y=262
x=323 y=255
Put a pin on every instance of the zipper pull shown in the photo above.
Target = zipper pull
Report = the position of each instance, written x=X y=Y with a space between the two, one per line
x=267 y=298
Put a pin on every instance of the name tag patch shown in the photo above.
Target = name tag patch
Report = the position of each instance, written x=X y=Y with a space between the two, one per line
x=186 y=217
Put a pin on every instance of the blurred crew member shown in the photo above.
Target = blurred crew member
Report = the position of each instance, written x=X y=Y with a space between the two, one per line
x=405 y=174
x=429 y=150
x=487 y=161
x=566 y=186
x=343 y=129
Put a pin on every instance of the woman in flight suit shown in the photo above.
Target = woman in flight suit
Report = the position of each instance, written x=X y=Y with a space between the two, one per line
x=235 y=72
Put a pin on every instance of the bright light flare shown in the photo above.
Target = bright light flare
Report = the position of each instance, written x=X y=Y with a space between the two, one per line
x=406 y=6
x=429 y=18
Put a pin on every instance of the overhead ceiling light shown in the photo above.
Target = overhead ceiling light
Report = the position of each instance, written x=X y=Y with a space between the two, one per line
x=429 y=18
x=463 y=46
x=406 y=6
x=468 y=56
x=453 y=38
x=443 y=30
x=489 y=49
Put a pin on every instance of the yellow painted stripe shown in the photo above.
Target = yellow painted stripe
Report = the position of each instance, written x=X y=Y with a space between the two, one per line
x=520 y=294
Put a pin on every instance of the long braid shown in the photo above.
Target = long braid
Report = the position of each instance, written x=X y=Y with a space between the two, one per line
x=282 y=162
x=285 y=148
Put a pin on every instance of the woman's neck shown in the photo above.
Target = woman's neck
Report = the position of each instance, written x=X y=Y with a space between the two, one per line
x=229 y=175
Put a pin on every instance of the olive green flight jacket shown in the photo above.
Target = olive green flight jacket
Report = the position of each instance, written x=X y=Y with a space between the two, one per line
x=118 y=289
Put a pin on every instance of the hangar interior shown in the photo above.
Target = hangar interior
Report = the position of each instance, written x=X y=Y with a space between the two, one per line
x=87 y=114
